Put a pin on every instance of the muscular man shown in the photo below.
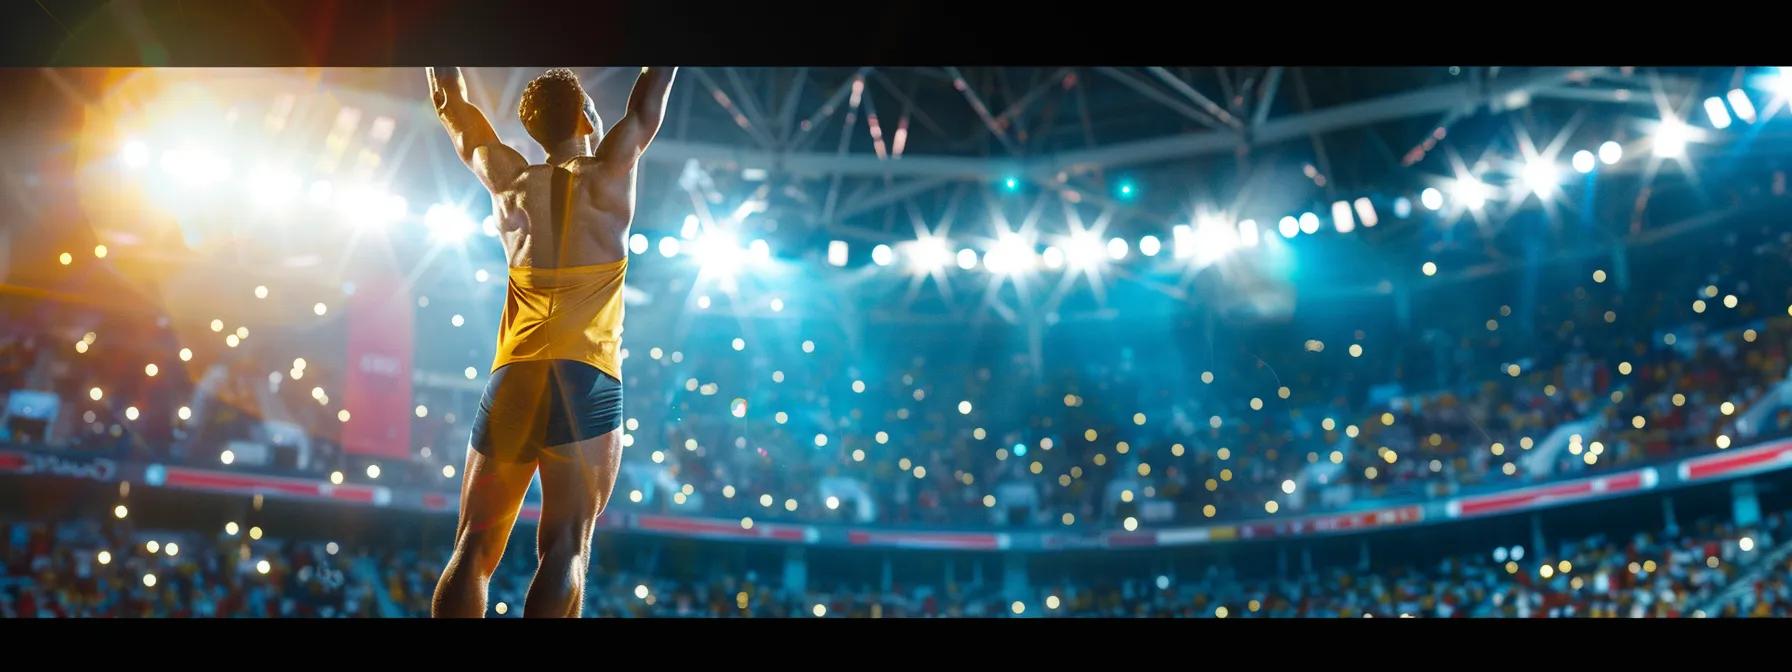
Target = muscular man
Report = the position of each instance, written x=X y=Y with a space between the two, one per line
x=554 y=401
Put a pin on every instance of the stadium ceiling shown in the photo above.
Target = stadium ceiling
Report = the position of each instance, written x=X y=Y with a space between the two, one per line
x=880 y=154
x=961 y=124
x=879 y=136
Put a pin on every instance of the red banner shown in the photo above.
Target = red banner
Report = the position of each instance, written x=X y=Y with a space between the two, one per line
x=377 y=390
x=1521 y=499
x=1736 y=461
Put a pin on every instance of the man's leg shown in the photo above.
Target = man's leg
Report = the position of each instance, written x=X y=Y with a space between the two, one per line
x=576 y=480
x=491 y=495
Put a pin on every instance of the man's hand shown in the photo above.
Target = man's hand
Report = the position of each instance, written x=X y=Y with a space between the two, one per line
x=623 y=146
x=475 y=142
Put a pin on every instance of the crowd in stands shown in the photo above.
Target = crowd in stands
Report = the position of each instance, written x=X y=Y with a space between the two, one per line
x=83 y=568
x=1095 y=428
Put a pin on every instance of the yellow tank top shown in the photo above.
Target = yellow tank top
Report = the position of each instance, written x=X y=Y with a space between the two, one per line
x=564 y=313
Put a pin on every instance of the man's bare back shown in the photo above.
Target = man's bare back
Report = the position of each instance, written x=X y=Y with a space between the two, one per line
x=598 y=212
x=554 y=399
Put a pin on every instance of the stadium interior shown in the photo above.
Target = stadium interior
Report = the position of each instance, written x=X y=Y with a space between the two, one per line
x=1026 y=342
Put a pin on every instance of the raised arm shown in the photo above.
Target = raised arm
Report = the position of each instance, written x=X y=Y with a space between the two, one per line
x=474 y=140
x=625 y=142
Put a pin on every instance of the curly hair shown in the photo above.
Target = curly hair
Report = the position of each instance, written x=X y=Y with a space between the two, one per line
x=551 y=106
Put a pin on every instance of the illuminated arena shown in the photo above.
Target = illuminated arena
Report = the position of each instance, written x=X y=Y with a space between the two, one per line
x=1031 y=342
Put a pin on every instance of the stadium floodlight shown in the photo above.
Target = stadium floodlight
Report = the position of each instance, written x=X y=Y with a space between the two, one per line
x=882 y=255
x=321 y=193
x=719 y=251
x=1365 y=212
x=1011 y=254
x=1432 y=198
x=196 y=166
x=1470 y=192
x=1670 y=138
x=668 y=247
x=1084 y=250
x=1541 y=176
x=1214 y=238
x=1182 y=241
x=272 y=189
x=1341 y=218
x=837 y=250
x=759 y=250
x=967 y=258
x=135 y=154
x=1117 y=248
x=637 y=244
x=1289 y=227
x=395 y=207
x=1248 y=235
x=690 y=229
x=1610 y=152
x=928 y=255
x=1053 y=258
x=1309 y=223
x=366 y=205
x=1150 y=246
x=1745 y=108
x=1717 y=113
x=447 y=223
x=1583 y=162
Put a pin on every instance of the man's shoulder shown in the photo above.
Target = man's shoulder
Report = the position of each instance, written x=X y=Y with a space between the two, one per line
x=584 y=164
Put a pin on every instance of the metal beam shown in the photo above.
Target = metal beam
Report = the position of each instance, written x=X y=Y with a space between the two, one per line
x=893 y=194
x=1206 y=103
x=1424 y=101
x=1144 y=88
x=743 y=118
x=787 y=118
x=1019 y=106
x=1268 y=99
x=846 y=126
x=805 y=130
x=1432 y=100
x=827 y=164
x=749 y=106
x=964 y=86
x=1598 y=95
x=1324 y=178
x=908 y=103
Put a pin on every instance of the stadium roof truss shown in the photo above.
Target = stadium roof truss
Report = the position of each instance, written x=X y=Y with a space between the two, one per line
x=850 y=152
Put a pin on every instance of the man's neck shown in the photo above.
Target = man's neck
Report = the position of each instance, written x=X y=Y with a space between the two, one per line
x=567 y=150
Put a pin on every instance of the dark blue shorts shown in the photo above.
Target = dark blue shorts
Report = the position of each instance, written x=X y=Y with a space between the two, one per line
x=539 y=405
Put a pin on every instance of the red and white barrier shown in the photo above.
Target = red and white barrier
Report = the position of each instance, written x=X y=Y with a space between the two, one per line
x=1519 y=499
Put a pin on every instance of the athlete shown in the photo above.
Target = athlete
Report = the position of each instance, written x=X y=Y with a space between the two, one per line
x=554 y=400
